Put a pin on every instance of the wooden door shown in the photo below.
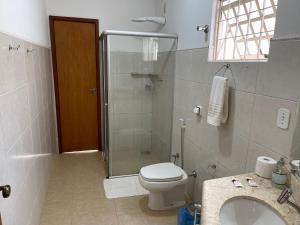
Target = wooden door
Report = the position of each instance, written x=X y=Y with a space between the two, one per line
x=75 y=54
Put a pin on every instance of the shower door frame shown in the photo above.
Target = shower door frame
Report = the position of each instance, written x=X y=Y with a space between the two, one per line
x=104 y=83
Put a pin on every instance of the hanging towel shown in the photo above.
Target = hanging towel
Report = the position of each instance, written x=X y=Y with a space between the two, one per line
x=218 y=102
x=150 y=49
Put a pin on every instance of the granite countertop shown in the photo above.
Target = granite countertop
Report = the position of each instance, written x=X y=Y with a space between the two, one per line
x=217 y=191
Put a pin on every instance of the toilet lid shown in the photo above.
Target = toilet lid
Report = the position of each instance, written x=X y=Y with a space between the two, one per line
x=162 y=172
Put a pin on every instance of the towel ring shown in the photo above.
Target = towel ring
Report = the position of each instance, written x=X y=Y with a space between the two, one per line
x=227 y=67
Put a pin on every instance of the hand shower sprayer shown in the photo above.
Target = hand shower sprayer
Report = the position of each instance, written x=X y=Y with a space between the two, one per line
x=182 y=130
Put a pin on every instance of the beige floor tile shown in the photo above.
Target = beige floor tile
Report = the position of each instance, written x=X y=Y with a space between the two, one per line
x=58 y=220
x=129 y=204
x=57 y=208
x=94 y=216
x=75 y=196
x=93 y=200
x=132 y=219
x=162 y=220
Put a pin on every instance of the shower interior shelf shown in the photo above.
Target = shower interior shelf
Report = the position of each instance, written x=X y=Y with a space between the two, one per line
x=136 y=74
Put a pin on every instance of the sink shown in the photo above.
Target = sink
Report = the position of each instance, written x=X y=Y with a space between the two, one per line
x=242 y=211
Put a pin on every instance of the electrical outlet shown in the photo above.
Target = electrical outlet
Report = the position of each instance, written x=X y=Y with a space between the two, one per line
x=283 y=118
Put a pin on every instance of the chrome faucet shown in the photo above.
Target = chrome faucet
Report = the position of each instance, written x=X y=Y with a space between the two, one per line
x=284 y=197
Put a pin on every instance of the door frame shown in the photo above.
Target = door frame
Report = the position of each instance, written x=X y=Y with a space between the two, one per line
x=52 y=19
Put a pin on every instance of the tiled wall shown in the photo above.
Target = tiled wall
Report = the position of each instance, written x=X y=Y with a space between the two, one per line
x=130 y=112
x=27 y=129
x=258 y=91
x=141 y=108
x=162 y=105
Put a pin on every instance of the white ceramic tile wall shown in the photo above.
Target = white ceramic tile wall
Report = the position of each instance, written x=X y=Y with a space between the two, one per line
x=131 y=111
x=141 y=108
x=258 y=91
x=132 y=103
x=162 y=105
x=27 y=129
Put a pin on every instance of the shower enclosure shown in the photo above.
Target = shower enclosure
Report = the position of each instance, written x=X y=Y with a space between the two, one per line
x=137 y=81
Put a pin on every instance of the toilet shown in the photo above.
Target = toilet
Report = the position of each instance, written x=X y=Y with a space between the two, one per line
x=166 y=184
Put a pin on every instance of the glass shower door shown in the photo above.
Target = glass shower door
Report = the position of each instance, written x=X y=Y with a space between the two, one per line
x=140 y=97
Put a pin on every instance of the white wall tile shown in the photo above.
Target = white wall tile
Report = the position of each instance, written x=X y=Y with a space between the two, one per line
x=280 y=76
x=25 y=128
x=244 y=76
x=255 y=151
x=264 y=129
x=258 y=90
x=240 y=113
x=232 y=152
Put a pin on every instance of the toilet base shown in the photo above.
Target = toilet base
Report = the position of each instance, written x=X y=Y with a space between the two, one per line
x=166 y=200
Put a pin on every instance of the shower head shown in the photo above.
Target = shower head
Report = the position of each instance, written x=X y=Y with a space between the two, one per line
x=158 y=20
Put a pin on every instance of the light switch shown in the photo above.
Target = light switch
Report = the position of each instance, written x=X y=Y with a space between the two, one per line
x=283 y=118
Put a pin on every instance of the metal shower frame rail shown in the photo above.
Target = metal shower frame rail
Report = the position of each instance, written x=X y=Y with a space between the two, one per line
x=137 y=34
x=105 y=73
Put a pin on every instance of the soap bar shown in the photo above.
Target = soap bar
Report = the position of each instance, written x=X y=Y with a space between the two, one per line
x=236 y=182
x=251 y=182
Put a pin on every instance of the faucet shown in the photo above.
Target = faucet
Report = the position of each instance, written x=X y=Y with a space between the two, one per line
x=284 y=197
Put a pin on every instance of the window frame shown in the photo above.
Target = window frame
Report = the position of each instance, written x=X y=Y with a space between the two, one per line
x=216 y=14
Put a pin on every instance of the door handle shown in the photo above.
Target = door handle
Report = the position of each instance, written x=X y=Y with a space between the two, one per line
x=93 y=91
x=6 y=190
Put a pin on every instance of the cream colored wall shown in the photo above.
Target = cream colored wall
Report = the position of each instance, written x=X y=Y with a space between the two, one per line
x=112 y=14
x=184 y=16
x=26 y=20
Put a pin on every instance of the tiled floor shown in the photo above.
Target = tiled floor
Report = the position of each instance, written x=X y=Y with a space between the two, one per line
x=76 y=197
x=129 y=162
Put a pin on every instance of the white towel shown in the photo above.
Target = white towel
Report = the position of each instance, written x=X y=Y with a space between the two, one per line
x=150 y=49
x=218 y=102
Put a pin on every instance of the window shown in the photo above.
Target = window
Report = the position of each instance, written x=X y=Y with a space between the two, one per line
x=242 y=30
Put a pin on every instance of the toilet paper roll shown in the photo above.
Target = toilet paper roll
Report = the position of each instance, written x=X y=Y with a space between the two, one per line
x=265 y=166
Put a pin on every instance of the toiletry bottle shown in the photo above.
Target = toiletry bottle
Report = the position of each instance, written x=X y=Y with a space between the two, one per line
x=280 y=174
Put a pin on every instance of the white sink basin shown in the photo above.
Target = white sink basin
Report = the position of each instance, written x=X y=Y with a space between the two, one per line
x=243 y=211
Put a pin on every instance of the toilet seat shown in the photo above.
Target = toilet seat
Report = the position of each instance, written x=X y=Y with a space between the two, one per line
x=166 y=185
x=162 y=172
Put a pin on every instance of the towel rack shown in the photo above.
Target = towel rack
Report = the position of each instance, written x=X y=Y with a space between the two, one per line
x=227 y=67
